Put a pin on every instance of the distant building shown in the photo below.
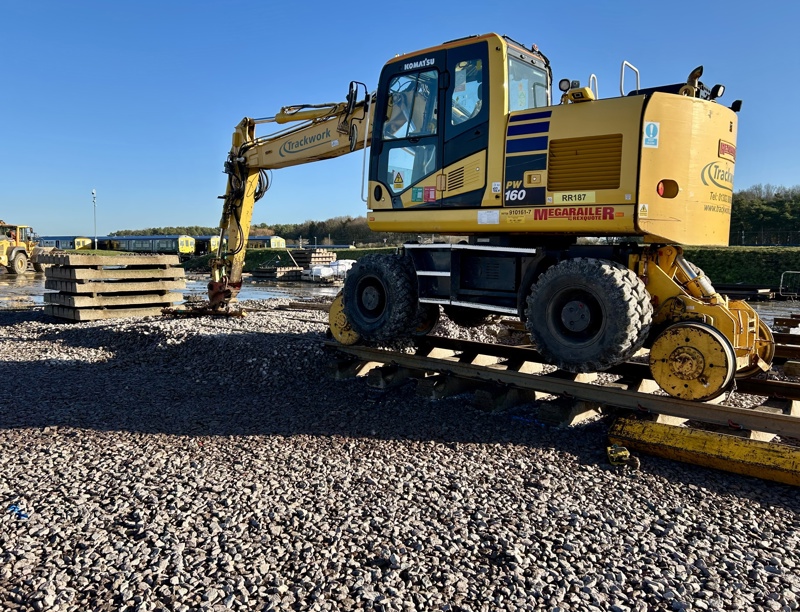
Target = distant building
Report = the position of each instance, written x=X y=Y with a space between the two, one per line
x=266 y=242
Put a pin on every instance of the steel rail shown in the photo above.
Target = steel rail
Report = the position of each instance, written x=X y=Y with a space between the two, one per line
x=737 y=418
x=753 y=386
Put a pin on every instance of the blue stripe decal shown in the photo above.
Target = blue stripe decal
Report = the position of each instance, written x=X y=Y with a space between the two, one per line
x=526 y=144
x=529 y=128
x=529 y=116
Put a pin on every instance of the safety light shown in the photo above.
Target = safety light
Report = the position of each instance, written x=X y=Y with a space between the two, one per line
x=667 y=188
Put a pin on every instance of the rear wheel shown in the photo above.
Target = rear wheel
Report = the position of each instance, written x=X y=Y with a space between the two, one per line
x=588 y=314
x=380 y=298
x=19 y=264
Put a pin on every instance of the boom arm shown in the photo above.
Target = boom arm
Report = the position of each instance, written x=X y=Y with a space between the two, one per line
x=326 y=131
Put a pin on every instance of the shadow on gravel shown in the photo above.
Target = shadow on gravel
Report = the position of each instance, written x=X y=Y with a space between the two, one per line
x=241 y=383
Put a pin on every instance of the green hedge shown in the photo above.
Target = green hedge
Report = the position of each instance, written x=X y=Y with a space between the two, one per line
x=747 y=265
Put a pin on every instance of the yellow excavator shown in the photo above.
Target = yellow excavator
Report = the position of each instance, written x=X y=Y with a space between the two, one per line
x=572 y=214
x=19 y=245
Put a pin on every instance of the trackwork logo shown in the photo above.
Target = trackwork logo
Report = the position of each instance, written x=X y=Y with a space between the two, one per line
x=304 y=144
x=714 y=174
x=428 y=61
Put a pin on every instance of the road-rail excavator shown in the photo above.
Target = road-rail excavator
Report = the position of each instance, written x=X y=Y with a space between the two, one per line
x=464 y=141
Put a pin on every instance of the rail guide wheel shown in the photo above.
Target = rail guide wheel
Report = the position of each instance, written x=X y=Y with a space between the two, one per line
x=764 y=348
x=340 y=326
x=693 y=361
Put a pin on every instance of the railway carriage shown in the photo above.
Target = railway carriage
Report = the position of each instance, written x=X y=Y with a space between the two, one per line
x=176 y=244
x=66 y=242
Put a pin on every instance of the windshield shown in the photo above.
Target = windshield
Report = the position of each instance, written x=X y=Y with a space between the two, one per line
x=527 y=85
x=411 y=109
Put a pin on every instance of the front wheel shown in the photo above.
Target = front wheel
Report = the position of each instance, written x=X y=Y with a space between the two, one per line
x=380 y=298
x=19 y=265
x=586 y=315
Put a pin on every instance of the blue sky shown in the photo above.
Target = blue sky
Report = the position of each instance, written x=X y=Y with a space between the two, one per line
x=138 y=99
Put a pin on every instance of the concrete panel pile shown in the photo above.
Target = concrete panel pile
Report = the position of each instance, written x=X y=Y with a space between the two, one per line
x=93 y=287
x=287 y=273
x=307 y=258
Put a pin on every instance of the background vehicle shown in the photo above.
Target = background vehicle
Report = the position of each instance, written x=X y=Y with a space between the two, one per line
x=66 y=242
x=465 y=141
x=18 y=246
x=203 y=245
x=181 y=245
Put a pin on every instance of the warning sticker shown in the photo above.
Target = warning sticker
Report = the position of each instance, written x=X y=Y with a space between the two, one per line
x=430 y=194
x=398 y=181
x=651 y=134
x=416 y=194
x=643 y=210
x=489 y=217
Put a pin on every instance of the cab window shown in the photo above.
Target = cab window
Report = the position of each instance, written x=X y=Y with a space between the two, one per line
x=527 y=85
x=466 y=100
x=412 y=107
x=408 y=165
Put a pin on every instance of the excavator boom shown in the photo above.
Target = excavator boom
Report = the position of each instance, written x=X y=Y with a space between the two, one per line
x=324 y=131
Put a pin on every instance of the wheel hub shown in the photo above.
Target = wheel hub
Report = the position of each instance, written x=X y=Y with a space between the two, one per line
x=370 y=298
x=687 y=363
x=576 y=316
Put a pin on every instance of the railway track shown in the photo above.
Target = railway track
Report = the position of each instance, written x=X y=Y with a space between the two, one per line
x=743 y=442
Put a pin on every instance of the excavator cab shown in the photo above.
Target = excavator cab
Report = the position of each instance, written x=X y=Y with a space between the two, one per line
x=440 y=122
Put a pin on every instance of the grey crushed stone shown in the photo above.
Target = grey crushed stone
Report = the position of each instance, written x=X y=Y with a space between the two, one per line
x=214 y=464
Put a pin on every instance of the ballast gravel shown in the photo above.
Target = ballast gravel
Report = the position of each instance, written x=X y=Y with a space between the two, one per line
x=216 y=464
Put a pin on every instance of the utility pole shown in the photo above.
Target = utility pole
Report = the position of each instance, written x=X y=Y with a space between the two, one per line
x=94 y=206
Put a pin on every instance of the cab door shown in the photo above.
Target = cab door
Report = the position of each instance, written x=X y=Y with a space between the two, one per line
x=466 y=127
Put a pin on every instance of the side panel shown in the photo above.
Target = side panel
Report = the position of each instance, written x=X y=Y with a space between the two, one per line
x=693 y=143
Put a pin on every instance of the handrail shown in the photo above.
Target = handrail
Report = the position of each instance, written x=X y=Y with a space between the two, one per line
x=366 y=144
x=622 y=76
x=593 y=79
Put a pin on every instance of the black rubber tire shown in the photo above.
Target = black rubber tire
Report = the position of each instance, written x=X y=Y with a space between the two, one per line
x=40 y=267
x=380 y=298
x=468 y=317
x=19 y=264
x=586 y=315
x=427 y=318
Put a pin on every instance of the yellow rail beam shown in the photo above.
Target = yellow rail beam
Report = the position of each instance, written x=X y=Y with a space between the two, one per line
x=766 y=460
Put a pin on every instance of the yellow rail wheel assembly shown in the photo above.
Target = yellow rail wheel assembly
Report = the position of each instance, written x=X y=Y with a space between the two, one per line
x=764 y=348
x=340 y=326
x=427 y=318
x=693 y=361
